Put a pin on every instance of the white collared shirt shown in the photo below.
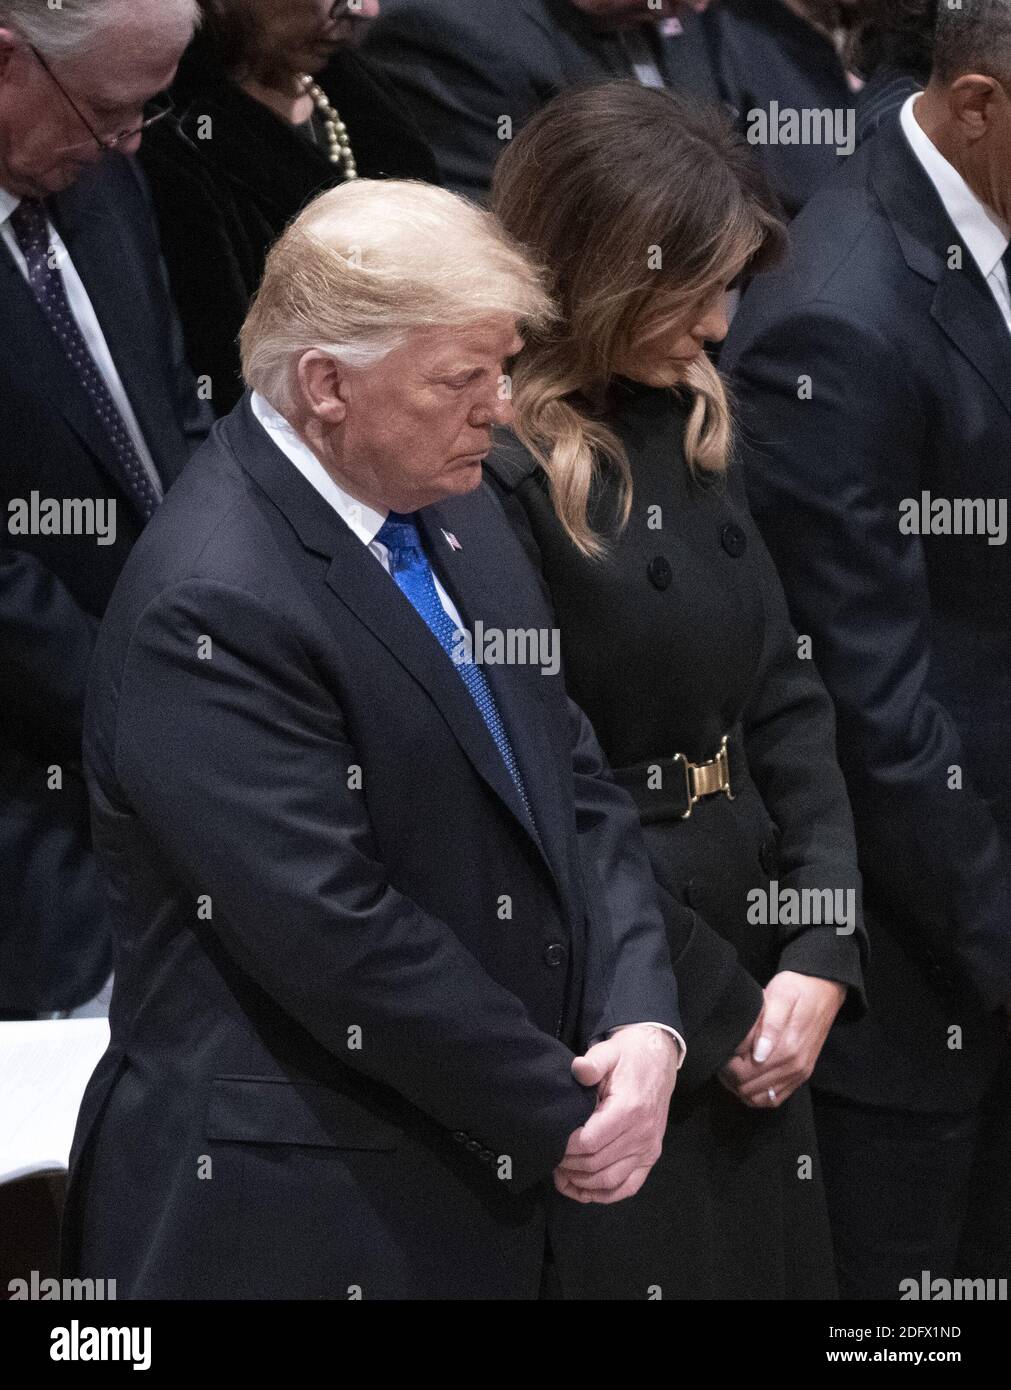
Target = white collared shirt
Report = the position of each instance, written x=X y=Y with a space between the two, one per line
x=640 y=56
x=365 y=522
x=87 y=321
x=985 y=236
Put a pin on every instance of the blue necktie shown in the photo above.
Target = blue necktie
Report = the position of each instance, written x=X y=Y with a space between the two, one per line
x=28 y=222
x=410 y=568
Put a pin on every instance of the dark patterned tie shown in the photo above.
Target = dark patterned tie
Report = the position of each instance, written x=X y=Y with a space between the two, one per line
x=28 y=221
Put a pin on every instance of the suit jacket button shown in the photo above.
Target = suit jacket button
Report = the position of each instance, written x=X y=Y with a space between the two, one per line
x=472 y=1146
x=694 y=893
x=554 y=954
x=733 y=540
x=486 y=1155
x=460 y=1136
x=659 y=572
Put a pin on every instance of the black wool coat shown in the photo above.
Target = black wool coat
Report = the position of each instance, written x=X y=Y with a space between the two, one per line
x=681 y=636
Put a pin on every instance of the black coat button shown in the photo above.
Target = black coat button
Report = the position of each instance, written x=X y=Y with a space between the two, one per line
x=694 y=893
x=768 y=857
x=472 y=1146
x=659 y=571
x=460 y=1136
x=733 y=540
x=486 y=1156
x=554 y=954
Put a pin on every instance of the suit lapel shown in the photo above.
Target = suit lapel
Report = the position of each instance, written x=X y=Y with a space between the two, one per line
x=364 y=587
x=361 y=584
x=963 y=305
x=966 y=310
x=35 y=361
x=476 y=577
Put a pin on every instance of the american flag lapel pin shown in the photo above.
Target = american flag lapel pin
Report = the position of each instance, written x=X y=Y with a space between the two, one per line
x=454 y=544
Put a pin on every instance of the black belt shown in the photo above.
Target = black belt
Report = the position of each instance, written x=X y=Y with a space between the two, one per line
x=668 y=788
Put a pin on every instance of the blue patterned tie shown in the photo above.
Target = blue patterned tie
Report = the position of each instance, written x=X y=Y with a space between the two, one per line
x=28 y=221
x=413 y=574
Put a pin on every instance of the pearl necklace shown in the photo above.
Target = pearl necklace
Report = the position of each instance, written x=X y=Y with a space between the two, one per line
x=336 y=130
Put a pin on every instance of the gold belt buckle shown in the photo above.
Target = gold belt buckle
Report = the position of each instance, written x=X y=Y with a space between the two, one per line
x=703 y=779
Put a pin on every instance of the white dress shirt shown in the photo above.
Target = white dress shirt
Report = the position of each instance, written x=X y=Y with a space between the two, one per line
x=984 y=234
x=641 y=57
x=87 y=321
x=365 y=522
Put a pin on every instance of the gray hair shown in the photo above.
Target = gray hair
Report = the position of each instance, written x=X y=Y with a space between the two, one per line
x=975 y=37
x=70 y=27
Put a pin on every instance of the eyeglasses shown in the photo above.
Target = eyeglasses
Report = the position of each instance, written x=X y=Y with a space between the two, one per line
x=160 y=107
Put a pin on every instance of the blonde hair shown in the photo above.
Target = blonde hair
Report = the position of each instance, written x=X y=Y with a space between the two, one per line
x=631 y=200
x=370 y=260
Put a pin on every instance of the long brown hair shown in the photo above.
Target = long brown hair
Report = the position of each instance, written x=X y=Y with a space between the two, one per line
x=624 y=194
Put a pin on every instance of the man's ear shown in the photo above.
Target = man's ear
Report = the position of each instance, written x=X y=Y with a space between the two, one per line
x=973 y=101
x=322 y=380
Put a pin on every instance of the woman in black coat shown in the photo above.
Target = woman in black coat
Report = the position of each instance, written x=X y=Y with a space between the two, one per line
x=677 y=643
x=251 y=142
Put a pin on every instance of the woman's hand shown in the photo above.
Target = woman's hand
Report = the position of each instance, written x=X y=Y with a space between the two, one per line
x=779 y=1053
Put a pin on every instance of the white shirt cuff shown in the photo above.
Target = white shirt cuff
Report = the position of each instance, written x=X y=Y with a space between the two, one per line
x=682 y=1045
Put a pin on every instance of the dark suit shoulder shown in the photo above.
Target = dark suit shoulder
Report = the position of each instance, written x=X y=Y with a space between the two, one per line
x=213 y=526
x=510 y=463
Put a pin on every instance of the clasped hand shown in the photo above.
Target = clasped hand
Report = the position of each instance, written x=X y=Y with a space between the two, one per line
x=780 y=1051
x=609 y=1157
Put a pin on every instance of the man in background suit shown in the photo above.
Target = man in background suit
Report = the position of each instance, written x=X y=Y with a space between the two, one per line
x=474 y=72
x=874 y=380
x=773 y=55
x=373 y=887
x=96 y=404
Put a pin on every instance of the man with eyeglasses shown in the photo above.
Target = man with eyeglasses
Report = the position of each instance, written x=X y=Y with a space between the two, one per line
x=98 y=414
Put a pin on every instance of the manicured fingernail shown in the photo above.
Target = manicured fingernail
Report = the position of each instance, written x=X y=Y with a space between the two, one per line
x=762 y=1049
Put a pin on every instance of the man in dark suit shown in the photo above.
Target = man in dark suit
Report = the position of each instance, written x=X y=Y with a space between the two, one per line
x=775 y=63
x=372 y=887
x=98 y=414
x=475 y=72
x=874 y=380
